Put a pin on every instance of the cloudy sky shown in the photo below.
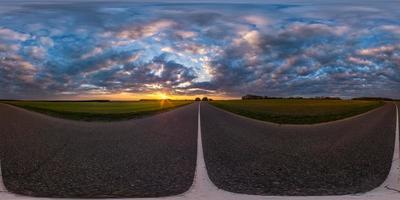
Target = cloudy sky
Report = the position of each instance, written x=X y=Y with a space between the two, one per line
x=131 y=50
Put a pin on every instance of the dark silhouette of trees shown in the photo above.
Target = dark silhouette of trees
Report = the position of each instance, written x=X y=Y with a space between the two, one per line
x=373 y=98
x=250 y=96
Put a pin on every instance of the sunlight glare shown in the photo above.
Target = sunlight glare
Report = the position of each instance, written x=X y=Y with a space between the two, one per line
x=162 y=96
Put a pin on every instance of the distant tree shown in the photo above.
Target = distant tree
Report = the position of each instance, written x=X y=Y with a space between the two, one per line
x=197 y=99
x=204 y=99
x=268 y=97
x=249 y=96
x=373 y=98
x=210 y=99
x=327 y=98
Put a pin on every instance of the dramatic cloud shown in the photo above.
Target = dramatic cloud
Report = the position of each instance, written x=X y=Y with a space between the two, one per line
x=68 y=49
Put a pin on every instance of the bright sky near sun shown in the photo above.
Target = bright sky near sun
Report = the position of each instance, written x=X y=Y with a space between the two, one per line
x=133 y=50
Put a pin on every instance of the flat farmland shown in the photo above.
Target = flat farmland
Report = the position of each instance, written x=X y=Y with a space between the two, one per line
x=99 y=111
x=295 y=111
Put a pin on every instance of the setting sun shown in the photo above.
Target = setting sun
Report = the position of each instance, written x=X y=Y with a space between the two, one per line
x=162 y=96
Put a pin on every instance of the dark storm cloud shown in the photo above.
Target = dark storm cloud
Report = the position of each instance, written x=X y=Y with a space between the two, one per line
x=307 y=59
x=145 y=77
x=48 y=50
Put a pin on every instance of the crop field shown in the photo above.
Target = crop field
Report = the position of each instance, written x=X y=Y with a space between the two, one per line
x=99 y=111
x=294 y=111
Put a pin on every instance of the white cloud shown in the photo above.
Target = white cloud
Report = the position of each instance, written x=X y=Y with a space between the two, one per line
x=195 y=49
x=186 y=34
x=376 y=51
x=94 y=52
x=251 y=37
x=18 y=68
x=9 y=34
x=359 y=61
x=9 y=48
x=37 y=52
x=259 y=21
x=167 y=49
x=147 y=30
x=392 y=28
x=46 y=41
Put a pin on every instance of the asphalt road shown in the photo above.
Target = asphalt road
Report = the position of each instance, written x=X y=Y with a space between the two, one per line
x=156 y=156
x=148 y=157
x=253 y=157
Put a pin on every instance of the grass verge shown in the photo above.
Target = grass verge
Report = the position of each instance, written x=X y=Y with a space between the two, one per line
x=99 y=111
x=293 y=111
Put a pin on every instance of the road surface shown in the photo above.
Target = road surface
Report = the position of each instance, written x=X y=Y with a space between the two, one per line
x=45 y=156
x=202 y=187
x=253 y=157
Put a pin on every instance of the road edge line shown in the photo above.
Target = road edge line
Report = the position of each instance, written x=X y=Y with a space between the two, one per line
x=2 y=186
x=202 y=184
x=394 y=173
x=392 y=181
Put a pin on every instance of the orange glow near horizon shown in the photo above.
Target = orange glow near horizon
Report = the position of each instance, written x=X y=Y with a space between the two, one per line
x=156 y=95
x=162 y=96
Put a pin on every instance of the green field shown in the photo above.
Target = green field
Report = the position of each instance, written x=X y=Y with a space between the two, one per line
x=294 y=111
x=99 y=111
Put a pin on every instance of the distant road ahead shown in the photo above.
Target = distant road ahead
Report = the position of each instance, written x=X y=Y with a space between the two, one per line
x=253 y=157
x=46 y=156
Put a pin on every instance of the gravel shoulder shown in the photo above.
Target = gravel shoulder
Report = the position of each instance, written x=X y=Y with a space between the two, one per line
x=49 y=157
x=252 y=157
